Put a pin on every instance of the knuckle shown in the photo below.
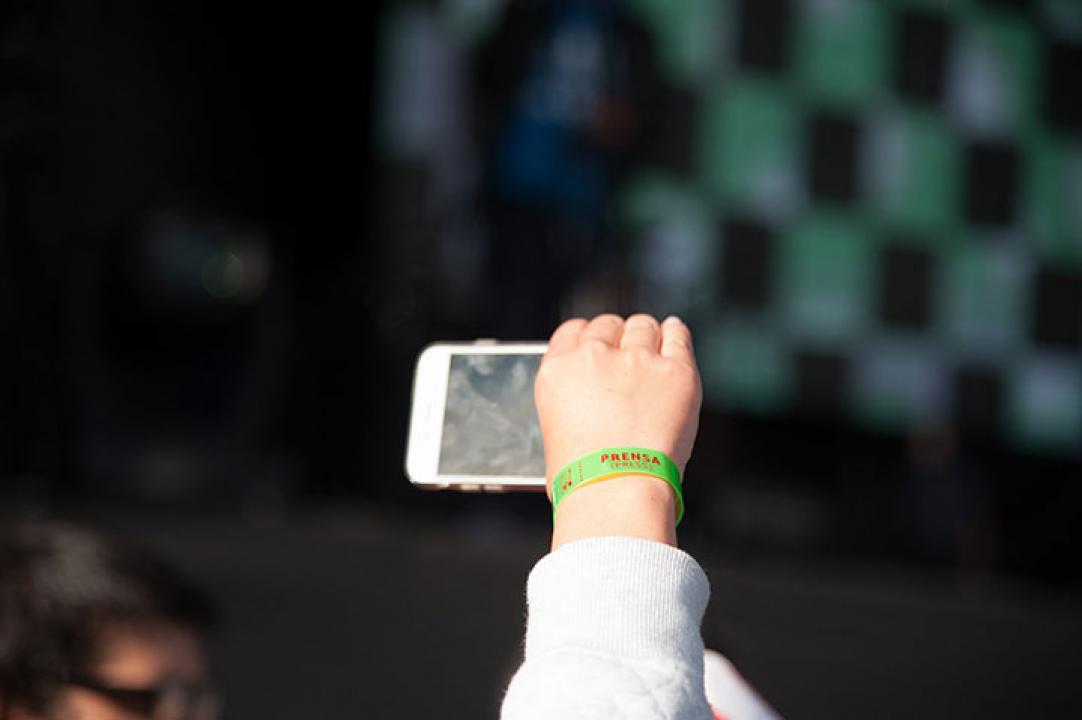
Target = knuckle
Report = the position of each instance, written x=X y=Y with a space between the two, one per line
x=594 y=346
x=681 y=341
x=643 y=319
x=570 y=323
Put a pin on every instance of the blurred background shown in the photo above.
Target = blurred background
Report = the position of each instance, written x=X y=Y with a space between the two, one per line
x=226 y=230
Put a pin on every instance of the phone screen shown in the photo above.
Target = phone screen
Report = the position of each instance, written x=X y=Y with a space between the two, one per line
x=490 y=423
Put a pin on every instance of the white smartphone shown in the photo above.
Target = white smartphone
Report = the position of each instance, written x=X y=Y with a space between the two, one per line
x=473 y=423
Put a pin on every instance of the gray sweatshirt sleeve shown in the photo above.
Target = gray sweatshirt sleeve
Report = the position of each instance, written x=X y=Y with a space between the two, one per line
x=613 y=632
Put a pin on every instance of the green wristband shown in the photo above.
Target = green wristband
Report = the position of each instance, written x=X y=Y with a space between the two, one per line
x=608 y=463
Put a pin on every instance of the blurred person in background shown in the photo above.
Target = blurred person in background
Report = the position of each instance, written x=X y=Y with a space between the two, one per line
x=92 y=628
x=567 y=93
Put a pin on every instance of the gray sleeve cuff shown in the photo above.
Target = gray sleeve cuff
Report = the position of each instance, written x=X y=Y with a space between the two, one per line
x=628 y=597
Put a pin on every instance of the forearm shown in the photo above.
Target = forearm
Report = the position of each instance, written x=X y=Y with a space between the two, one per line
x=615 y=608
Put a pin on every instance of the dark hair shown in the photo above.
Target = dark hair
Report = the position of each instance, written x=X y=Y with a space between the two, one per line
x=62 y=588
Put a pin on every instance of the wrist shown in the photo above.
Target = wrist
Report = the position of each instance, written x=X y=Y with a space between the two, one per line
x=631 y=506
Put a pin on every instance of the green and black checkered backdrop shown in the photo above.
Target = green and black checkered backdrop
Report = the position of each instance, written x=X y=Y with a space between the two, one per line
x=873 y=210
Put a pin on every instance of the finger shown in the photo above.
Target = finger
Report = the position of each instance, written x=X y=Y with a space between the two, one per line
x=641 y=331
x=606 y=328
x=676 y=340
x=566 y=337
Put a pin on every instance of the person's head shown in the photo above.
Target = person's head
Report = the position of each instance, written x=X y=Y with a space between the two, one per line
x=96 y=629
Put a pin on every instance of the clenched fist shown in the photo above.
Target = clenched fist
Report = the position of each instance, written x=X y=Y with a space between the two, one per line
x=610 y=382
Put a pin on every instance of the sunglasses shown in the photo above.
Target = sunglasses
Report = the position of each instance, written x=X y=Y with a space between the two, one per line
x=169 y=701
